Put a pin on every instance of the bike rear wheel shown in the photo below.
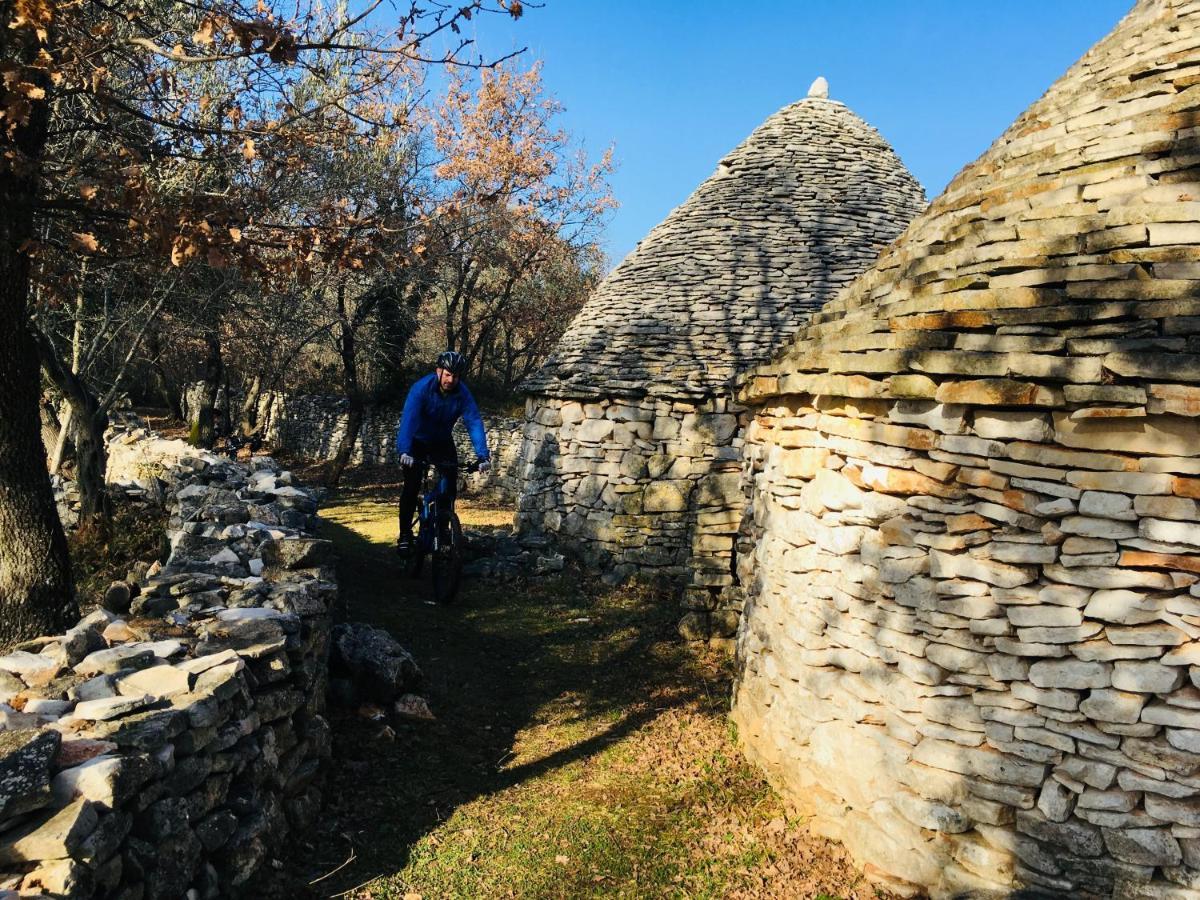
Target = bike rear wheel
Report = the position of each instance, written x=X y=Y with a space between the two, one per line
x=447 y=562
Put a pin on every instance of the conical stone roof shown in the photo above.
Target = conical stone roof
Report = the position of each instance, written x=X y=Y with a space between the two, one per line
x=791 y=215
x=1067 y=256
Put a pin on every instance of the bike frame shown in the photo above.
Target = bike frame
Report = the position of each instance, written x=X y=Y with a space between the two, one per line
x=431 y=509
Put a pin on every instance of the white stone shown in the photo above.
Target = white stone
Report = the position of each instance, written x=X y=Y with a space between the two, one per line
x=156 y=681
x=1088 y=526
x=1053 y=616
x=947 y=565
x=1145 y=635
x=595 y=430
x=96 y=780
x=1179 y=508
x=1055 y=801
x=1059 y=507
x=224 y=555
x=1064 y=595
x=1039 y=635
x=942 y=417
x=1082 y=545
x=1162 y=714
x=21 y=662
x=1070 y=673
x=1147 y=677
x=1107 y=506
x=1170 y=532
x=1123 y=607
x=111 y=707
x=1113 y=705
x=1027 y=554
x=1105 y=577
x=1121 y=482
x=1013 y=425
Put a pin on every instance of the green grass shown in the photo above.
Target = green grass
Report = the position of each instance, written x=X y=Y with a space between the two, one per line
x=580 y=750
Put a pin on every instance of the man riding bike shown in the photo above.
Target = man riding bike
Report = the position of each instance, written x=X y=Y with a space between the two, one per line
x=434 y=404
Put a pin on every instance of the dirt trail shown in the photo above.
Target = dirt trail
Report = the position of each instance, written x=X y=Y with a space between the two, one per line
x=579 y=750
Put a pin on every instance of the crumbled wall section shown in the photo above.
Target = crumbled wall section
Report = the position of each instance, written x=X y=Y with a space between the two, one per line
x=971 y=639
x=631 y=435
x=169 y=749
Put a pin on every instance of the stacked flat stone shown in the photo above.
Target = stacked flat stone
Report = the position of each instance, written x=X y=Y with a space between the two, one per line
x=971 y=639
x=631 y=445
x=167 y=745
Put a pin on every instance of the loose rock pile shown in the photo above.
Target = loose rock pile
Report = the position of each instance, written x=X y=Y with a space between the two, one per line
x=166 y=745
x=971 y=640
x=631 y=449
x=506 y=556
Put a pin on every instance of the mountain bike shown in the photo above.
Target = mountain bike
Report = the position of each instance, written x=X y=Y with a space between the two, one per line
x=439 y=533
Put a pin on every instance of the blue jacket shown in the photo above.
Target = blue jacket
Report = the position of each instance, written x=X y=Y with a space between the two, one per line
x=429 y=416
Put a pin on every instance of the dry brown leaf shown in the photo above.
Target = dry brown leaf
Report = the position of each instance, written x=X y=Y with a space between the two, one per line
x=84 y=241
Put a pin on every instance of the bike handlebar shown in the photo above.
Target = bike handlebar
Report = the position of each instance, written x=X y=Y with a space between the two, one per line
x=451 y=465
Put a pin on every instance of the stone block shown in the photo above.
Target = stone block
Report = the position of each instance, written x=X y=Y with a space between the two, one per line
x=1013 y=426
x=1156 y=435
x=1070 y=674
x=57 y=835
x=942 y=417
x=1113 y=705
x=25 y=765
x=666 y=496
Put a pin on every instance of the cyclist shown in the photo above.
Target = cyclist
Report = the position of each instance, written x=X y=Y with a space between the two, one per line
x=434 y=404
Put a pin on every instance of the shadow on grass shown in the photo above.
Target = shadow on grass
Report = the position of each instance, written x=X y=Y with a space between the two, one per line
x=508 y=657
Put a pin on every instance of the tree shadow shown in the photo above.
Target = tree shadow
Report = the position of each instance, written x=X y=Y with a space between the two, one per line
x=596 y=663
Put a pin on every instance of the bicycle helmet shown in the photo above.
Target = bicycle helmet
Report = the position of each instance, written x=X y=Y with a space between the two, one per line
x=453 y=362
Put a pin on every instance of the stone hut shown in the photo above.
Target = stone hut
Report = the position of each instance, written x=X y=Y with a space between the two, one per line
x=972 y=548
x=632 y=447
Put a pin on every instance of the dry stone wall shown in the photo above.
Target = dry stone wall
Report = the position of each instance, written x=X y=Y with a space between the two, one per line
x=312 y=426
x=631 y=443
x=168 y=744
x=651 y=487
x=971 y=640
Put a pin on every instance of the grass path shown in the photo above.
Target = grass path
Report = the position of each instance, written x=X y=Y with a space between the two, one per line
x=579 y=750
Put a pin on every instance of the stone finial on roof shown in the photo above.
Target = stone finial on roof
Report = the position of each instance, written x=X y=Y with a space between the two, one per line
x=819 y=88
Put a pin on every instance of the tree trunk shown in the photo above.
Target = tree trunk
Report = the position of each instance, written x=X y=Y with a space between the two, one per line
x=203 y=432
x=37 y=595
x=250 y=406
x=88 y=421
x=167 y=393
x=51 y=427
x=95 y=506
x=354 y=420
x=61 y=440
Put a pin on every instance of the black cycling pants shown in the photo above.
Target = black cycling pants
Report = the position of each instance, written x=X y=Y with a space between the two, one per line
x=424 y=453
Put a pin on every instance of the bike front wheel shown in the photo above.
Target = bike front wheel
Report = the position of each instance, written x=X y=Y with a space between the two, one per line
x=447 y=562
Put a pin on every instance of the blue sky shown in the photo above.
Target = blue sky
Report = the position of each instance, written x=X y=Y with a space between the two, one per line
x=676 y=85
